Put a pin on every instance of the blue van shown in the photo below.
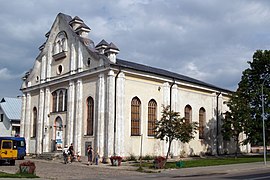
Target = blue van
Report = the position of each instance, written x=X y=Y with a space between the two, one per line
x=20 y=143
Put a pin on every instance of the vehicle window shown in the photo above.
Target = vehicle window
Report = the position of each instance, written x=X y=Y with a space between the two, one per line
x=21 y=144
x=6 y=145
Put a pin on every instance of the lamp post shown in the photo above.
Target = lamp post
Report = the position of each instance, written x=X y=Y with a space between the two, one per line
x=263 y=119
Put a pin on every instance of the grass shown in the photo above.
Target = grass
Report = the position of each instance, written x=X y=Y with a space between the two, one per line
x=17 y=175
x=216 y=161
x=210 y=161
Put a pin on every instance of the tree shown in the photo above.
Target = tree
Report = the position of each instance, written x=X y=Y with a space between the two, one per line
x=235 y=119
x=172 y=127
x=249 y=90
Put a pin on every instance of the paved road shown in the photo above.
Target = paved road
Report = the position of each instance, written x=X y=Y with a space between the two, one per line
x=57 y=170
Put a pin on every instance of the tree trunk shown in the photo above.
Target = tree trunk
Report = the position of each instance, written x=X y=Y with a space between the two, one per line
x=236 y=146
x=169 y=149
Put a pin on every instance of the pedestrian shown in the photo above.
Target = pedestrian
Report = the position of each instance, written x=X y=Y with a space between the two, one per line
x=71 y=152
x=90 y=155
x=96 y=157
x=65 y=154
x=78 y=156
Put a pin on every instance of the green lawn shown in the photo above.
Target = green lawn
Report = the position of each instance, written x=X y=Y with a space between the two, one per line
x=209 y=161
x=17 y=175
x=215 y=161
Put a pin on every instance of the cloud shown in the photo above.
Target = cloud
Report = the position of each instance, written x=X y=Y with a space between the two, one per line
x=5 y=74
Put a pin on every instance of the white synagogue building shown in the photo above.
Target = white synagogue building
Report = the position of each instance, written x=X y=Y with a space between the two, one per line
x=81 y=93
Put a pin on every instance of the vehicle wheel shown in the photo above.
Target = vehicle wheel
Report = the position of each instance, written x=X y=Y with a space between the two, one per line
x=12 y=162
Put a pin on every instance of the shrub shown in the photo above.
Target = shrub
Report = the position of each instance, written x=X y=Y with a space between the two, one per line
x=147 y=157
x=131 y=158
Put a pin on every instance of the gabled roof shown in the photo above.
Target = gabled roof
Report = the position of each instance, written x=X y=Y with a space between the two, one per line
x=11 y=108
x=169 y=74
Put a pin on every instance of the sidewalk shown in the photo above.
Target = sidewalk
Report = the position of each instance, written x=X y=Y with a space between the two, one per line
x=229 y=169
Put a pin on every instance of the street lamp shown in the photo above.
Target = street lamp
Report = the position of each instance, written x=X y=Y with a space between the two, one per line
x=263 y=119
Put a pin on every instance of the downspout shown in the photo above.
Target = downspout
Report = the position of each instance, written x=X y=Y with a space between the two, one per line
x=217 y=114
x=114 y=123
x=171 y=94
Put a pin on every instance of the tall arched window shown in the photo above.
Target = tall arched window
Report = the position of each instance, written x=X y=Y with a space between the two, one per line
x=135 y=116
x=152 y=117
x=34 y=123
x=54 y=103
x=188 y=114
x=90 y=116
x=201 y=123
x=59 y=100
x=60 y=104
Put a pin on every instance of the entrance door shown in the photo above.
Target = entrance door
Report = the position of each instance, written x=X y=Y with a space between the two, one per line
x=58 y=133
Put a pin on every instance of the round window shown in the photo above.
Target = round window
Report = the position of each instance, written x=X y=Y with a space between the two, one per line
x=37 y=78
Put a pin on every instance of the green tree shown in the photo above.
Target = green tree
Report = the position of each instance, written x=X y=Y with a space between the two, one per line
x=172 y=127
x=235 y=119
x=249 y=90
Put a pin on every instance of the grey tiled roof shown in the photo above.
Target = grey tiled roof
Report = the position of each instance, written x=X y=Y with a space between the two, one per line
x=166 y=73
x=102 y=42
x=11 y=107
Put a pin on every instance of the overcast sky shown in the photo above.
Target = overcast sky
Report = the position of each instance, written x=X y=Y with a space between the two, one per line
x=205 y=39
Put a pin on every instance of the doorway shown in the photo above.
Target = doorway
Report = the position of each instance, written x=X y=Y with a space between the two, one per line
x=58 y=125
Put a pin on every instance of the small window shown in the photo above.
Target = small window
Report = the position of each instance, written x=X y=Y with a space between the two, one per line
x=60 y=69
x=37 y=78
x=1 y=117
x=88 y=62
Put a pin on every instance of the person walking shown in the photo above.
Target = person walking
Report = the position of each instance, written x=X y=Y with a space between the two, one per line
x=66 y=154
x=71 y=152
x=90 y=155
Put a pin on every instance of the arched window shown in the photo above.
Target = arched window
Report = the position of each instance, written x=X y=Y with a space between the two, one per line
x=34 y=123
x=188 y=114
x=60 y=43
x=54 y=103
x=135 y=116
x=90 y=116
x=60 y=104
x=152 y=117
x=201 y=123
x=59 y=100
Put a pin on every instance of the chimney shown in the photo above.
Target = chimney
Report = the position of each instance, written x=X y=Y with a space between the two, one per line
x=83 y=30
x=102 y=46
x=111 y=52
x=75 y=22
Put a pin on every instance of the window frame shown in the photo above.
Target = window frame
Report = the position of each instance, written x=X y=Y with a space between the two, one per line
x=188 y=114
x=202 y=121
x=90 y=116
x=34 y=122
x=135 y=117
x=152 y=117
